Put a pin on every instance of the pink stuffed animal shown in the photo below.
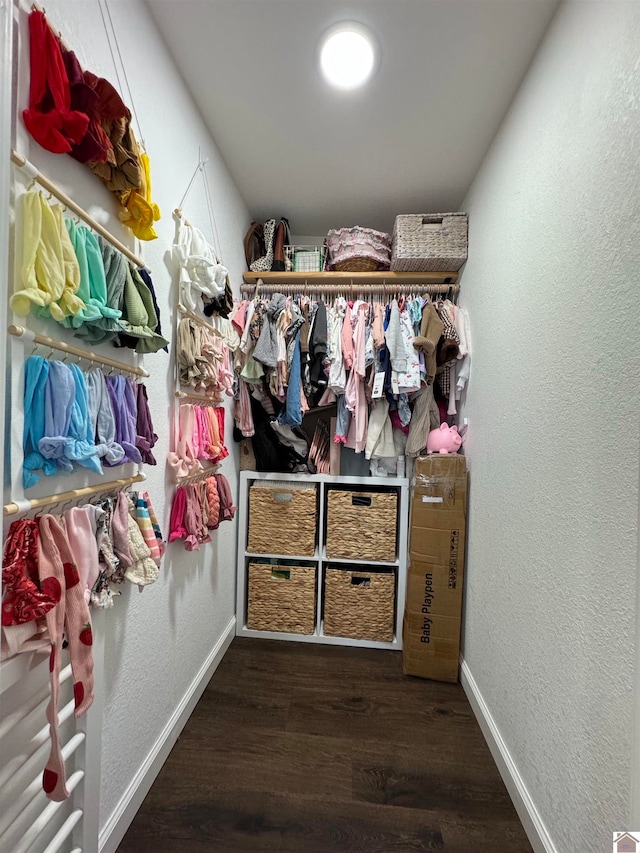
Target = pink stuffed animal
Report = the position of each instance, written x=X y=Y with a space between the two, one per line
x=444 y=440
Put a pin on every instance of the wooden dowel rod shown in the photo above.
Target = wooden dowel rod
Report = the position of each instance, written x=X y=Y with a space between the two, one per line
x=69 y=203
x=75 y=494
x=198 y=398
x=52 y=343
x=196 y=319
x=198 y=475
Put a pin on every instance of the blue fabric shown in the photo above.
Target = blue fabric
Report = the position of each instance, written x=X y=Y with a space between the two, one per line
x=59 y=396
x=36 y=373
x=291 y=413
x=80 y=446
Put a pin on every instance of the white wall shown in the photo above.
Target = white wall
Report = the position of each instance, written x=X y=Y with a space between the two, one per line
x=553 y=407
x=156 y=642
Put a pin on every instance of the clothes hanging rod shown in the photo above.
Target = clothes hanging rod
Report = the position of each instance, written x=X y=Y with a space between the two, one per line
x=188 y=313
x=198 y=398
x=350 y=289
x=52 y=343
x=69 y=203
x=74 y=494
x=197 y=475
x=336 y=277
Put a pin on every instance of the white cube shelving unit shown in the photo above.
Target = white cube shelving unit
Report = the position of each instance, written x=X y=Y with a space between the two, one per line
x=319 y=559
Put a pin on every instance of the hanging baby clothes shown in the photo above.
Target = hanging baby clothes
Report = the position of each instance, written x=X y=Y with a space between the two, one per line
x=81 y=524
x=201 y=275
x=35 y=383
x=49 y=279
x=143 y=570
x=103 y=423
x=123 y=404
x=98 y=321
x=49 y=118
x=400 y=345
x=51 y=568
x=140 y=212
x=145 y=436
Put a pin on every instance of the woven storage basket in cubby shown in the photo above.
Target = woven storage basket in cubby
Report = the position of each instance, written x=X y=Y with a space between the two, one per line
x=361 y=525
x=429 y=242
x=282 y=598
x=359 y=604
x=282 y=518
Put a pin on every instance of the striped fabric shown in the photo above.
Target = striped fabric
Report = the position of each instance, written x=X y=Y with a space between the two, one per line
x=143 y=519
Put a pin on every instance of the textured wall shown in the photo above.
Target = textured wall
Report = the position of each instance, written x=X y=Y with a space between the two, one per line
x=552 y=287
x=156 y=641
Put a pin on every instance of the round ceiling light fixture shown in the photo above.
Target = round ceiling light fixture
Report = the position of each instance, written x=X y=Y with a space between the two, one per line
x=348 y=55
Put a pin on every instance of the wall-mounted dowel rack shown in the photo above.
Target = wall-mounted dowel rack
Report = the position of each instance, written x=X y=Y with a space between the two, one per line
x=44 y=340
x=190 y=314
x=70 y=204
x=74 y=494
x=200 y=399
x=202 y=474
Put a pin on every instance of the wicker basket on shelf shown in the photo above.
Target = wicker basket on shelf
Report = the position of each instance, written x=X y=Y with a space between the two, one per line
x=282 y=598
x=361 y=525
x=282 y=518
x=429 y=242
x=359 y=604
x=357 y=265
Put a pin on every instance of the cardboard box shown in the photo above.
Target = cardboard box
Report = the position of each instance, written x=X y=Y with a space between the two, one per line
x=433 y=607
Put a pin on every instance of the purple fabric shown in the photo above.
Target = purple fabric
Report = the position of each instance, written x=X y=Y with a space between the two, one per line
x=123 y=403
x=146 y=437
x=59 y=396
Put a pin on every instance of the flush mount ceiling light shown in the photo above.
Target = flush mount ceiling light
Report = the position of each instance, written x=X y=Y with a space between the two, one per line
x=348 y=55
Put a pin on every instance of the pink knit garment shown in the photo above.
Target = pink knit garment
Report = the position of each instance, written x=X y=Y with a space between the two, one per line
x=71 y=616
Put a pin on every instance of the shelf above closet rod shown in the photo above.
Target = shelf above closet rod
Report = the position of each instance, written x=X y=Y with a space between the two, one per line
x=69 y=203
x=74 y=494
x=52 y=343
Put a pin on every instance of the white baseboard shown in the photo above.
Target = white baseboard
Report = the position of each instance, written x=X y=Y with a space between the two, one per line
x=116 y=826
x=527 y=812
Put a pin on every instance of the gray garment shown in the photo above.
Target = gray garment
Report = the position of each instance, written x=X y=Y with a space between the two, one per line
x=343 y=416
x=266 y=349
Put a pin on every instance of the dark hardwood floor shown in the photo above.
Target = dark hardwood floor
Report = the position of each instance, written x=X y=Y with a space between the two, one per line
x=298 y=748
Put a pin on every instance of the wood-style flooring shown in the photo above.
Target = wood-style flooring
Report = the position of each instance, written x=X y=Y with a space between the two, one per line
x=300 y=748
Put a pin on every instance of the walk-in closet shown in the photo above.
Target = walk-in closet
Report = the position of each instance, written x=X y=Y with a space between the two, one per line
x=321 y=426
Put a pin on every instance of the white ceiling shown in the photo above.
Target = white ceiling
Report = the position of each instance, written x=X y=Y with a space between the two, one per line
x=411 y=141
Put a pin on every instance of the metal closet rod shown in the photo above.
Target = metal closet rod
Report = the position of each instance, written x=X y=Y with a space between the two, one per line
x=69 y=203
x=351 y=289
x=74 y=494
x=52 y=343
x=197 y=475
